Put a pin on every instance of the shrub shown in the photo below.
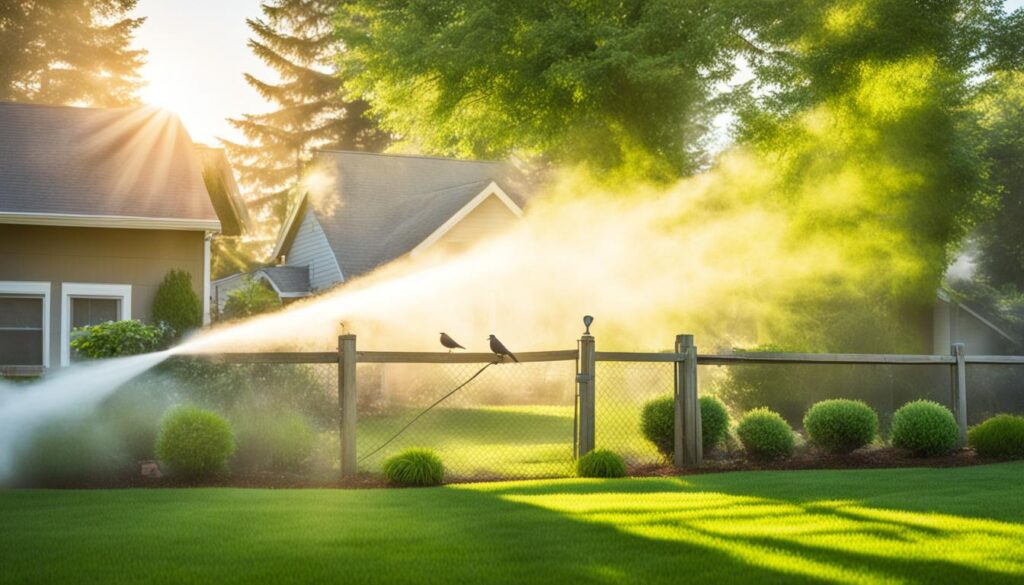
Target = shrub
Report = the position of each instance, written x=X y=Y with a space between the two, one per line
x=195 y=443
x=414 y=467
x=1001 y=436
x=273 y=441
x=657 y=422
x=601 y=463
x=70 y=453
x=176 y=304
x=840 y=426
x=924 y=427
x=765 y=434
x=252 y=298
x=119 y=338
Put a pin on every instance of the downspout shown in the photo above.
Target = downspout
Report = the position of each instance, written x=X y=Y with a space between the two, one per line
x=207 y=237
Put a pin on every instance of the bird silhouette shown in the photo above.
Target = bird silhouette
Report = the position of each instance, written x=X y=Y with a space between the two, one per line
x=450 y=343
x=500 y=350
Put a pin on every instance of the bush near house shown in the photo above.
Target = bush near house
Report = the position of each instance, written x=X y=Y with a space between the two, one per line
x=927 y=428
x=252 y=298
x=119 y=338
x=195 y=443
x=177 y=304
x=841 y=426
x=414 y=468
x=601 y=463
x=765 y=434
x=657 y=422
x=1001 y=437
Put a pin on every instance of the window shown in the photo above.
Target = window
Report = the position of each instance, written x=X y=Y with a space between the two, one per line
x=90 y=304
x=24 y=323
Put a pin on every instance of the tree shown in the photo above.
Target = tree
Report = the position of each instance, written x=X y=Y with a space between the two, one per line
x=176 y=304
x=252 y=298
x=69 y=52
x=621 y=86
x=295 y=38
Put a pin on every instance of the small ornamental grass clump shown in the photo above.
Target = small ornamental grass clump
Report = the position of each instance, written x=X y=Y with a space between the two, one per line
x=658 y=418
x=840 y=426
x=765 y=434
x=414 y=467
x=1001 y=437
x=924 y=427
x=601 y=463
x=195 y=443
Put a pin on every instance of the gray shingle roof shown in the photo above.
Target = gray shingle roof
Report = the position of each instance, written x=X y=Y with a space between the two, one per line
x=288 y=279
x=387 y=204
x=130 y=162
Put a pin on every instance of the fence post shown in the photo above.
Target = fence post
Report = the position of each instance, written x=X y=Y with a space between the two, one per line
x=347 y=403
x=960 y=391
x=585 y=388
x=688 y=450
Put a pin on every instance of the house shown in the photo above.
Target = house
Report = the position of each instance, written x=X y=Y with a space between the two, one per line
x=376 y=208
x=96 y=206
x=954 y=321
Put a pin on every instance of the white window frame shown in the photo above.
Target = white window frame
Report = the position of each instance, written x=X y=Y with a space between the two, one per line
x=122 y=292
x=33 y=289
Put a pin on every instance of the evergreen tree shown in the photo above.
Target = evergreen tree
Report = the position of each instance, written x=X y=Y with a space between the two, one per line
x=69 y=51
x=296 y=39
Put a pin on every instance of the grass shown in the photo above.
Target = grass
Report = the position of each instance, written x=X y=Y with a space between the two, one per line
x=961 y=525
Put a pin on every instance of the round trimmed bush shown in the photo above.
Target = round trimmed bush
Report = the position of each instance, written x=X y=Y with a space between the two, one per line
x=601 y=463
x=840 y=426
x=658 y=418
x=195 y=443
x=765 y=434
x=414 y=467
x=1001 y=436
x=927 y=428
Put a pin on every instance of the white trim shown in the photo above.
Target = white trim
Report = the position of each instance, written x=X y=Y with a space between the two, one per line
x=206 y=277
x=492 y=189
x=79 y=289
x=34 y=289
x=287 y=227
x=110 y=221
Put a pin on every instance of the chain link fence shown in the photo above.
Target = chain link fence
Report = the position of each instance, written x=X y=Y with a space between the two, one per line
x=623 y=388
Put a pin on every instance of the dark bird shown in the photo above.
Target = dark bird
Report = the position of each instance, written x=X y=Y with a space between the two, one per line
x=500 y=350
x=450 y=343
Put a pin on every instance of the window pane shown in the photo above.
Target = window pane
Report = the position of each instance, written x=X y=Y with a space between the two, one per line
x=21 y=331
x=88 y=311
x=21 y=312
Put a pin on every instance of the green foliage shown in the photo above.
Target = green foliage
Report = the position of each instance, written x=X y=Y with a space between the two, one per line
x=71 y=453
x=624 y=86
x=601 y=463
x=1001 y=436
x=414 y=467
x=657 y=421
x=119 y=338
x=176 y=304
x=252 y=298
x=272 y=441
x=195 y=443
x=69 y=52
x=924 y=427
x=765 y=435
x=841 y=426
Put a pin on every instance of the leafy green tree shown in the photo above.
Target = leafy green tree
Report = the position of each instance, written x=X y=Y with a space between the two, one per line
x=252 y=298
x=69 y=51
x=621 y=86
x=176 y=304
x=295 y=38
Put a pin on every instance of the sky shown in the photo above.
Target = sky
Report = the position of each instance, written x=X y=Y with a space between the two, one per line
x=197 y=55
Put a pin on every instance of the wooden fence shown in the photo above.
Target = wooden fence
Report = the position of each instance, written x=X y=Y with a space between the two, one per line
x=684 y=356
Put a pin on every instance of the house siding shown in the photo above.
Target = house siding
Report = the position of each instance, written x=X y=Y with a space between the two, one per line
x=490 y=217
x=140 y=258
x=310 y=248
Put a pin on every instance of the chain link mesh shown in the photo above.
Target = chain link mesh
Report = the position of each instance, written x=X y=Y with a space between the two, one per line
x=622 y=390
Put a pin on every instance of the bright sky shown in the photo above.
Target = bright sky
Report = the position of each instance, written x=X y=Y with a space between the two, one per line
x=197 y=55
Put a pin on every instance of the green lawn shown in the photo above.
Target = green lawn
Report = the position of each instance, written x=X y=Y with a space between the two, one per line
x=914 y=525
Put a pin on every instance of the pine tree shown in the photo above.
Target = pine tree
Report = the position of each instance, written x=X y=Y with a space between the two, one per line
x=69 y=52
x=296 y=39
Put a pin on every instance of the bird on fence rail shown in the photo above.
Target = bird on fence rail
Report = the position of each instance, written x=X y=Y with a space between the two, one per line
x=499 y=348
x=450 y=343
